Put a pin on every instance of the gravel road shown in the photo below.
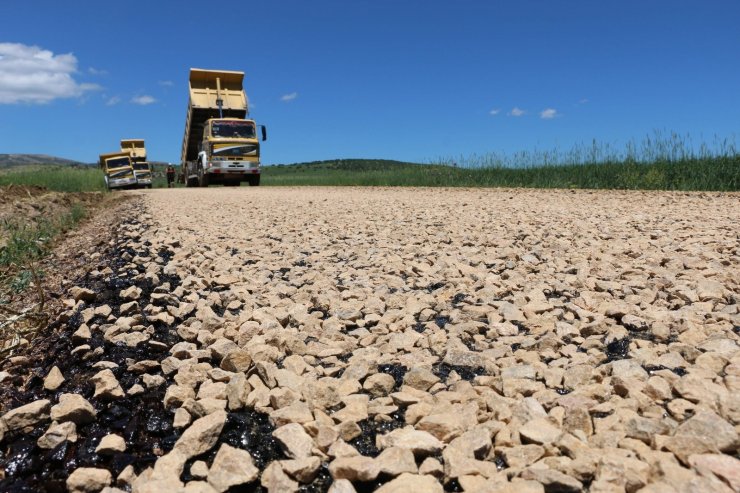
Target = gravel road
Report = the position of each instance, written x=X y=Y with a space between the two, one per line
x=353 y=339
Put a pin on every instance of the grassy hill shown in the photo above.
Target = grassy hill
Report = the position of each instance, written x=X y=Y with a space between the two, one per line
x=14 y=160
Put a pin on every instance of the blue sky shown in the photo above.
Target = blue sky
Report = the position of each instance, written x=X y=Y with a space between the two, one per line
x=408 y=80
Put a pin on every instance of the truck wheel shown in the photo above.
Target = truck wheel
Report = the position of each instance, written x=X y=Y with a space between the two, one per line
x=254 y=180
x=202 y=178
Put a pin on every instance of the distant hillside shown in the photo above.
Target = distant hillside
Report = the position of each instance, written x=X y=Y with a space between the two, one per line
x=12 y=160
x=350 y=165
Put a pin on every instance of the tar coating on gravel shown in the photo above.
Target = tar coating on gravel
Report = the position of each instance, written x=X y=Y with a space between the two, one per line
x=443 y=370
x=459 y=298
x=651 y=369
x=453 y=485
x=618 y=349
x=365 y=443
x=396 y=371
x=247 y=430
x=140 y=419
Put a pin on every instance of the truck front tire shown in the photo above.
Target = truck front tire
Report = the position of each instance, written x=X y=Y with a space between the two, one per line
x=202 y=178
x=254 y=180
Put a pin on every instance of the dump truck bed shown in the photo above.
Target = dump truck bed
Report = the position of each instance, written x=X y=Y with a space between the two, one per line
x=206 y=87
x=135 y=147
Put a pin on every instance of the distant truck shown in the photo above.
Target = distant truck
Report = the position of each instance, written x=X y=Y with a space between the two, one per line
x=142 y=169
x=220 y=144
x=118 y=169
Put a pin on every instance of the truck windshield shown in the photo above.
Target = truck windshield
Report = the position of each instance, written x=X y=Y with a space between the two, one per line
x=120 y=162
x=240 y=130
x=141 y=166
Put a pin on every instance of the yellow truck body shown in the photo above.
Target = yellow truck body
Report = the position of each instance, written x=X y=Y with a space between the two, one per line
x=142 y=169
x=118 y=169
x=220 y=143
x=135 y=147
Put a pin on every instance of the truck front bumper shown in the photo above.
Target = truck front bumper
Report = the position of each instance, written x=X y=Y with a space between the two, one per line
x=121 y=182
x=233 y=168
x=143 y=177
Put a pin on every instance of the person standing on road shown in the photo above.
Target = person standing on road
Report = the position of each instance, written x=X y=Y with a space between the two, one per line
x=170 y=176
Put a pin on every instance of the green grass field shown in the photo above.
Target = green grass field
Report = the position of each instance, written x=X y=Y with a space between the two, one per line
x=57 y=178
x=65 y=178
x=658 y=162
x=713 y=173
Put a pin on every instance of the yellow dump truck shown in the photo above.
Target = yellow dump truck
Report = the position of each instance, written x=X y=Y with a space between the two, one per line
x=220 y=144
x=142 y=169
x=118 y=169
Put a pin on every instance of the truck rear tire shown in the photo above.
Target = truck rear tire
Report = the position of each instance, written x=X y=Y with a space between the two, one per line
x=254 y=180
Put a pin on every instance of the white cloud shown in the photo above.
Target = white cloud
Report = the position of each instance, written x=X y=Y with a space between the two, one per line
x=166 y=83
x=515 y=111
x=95 y=71
x=143 y=100
x=494 y=111
x=583 y=101
x=289 y=97
x=29 y=74
x=549 y=113
x=112 y=101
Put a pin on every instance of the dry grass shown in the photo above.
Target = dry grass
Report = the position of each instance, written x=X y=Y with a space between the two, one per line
x=20 y=326
x=26 y=240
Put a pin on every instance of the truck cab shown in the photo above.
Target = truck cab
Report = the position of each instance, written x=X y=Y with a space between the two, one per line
x=230 y=151
x=118 y=169
x=142 y=169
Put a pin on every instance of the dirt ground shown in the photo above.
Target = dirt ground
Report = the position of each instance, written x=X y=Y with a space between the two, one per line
x=25 y=206
x=422 y=339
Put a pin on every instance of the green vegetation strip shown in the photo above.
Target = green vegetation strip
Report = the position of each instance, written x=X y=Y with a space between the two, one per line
x=57 y=178
x=662 y=161
x=720 y=173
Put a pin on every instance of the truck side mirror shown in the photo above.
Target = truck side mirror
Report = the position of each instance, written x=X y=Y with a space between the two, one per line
x=264 y=132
